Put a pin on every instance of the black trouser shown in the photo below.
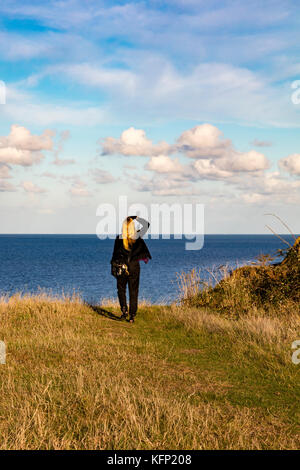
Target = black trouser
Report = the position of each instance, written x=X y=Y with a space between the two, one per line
x=133 y=283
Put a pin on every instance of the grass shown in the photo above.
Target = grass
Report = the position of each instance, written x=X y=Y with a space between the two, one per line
x=180 y=377
x=265 y=288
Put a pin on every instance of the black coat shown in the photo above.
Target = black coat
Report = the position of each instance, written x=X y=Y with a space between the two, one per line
x=138 y=251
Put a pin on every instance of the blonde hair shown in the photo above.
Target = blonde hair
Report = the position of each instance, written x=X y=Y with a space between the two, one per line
x=128 y=233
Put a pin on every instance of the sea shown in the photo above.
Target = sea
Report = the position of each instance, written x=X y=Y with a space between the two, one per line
x=64 y=264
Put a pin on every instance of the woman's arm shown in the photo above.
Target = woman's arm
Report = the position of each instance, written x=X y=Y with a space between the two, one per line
x=145 y=225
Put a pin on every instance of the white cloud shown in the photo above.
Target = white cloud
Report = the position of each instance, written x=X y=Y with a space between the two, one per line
x=245 y=161
x=209 y=169
x=26 y=108
x=21 y=147
x=207 y=142
x=5 y=186
x=64 y=136
x=202 y=25
x=47 y=114
x=21 y=138
x=274 y=183
x=132 y=142
x=48 y=174
x=15 y=47
x=45 y=45
x=165 y=187
x=215 y=157
x=252 y=198
x=102 y=176
x=111 y=79
x=152 y=86
x=63 y=161
x=291 y=164
x=204 y=141
x=148 y=86
x=261 y=143
x=209 y=156
x=78 y=189
x=4 y=172
x=14 y=156
x=214 y=80
x=30 y=187
x=271 y=187
x=164 y=164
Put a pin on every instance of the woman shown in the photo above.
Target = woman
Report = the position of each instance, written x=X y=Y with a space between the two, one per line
x=129 y=249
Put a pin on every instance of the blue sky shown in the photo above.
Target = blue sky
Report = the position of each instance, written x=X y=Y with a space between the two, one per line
x=182 y=101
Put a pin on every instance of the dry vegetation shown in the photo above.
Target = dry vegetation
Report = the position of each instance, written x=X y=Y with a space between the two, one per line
x=179 y=378
x=268 y=289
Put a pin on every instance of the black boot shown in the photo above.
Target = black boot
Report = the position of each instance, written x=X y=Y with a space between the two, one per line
x=124 y=313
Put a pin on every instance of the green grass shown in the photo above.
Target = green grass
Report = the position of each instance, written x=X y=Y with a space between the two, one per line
x=178 y=378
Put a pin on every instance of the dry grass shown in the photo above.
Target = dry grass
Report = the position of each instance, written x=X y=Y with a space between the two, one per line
x=263 y=289
x=176 y=379
x=114 y=303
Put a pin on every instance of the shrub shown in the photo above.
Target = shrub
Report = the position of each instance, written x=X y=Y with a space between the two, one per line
x=263 y=286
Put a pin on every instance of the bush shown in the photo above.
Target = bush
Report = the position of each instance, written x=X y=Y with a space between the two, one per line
x=263 y=286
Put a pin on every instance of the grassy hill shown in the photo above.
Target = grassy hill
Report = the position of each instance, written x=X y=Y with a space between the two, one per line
x=179 y=378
